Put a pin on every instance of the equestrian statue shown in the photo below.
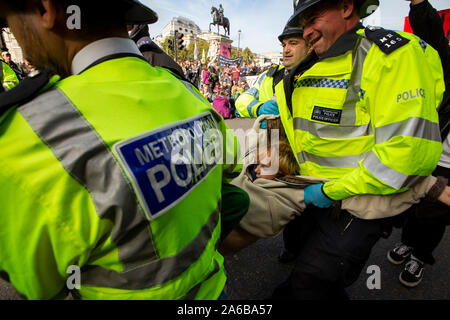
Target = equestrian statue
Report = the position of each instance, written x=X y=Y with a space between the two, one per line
x=220 y=20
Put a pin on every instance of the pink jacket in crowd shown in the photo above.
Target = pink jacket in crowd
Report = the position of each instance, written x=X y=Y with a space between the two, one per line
x=205 y=77
x=221 y=105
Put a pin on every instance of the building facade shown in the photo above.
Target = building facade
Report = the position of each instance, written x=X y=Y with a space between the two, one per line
x=183 y=25
x=13 y=47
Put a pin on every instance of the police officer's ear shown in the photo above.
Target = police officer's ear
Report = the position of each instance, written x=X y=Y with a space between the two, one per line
x=48 y=13
x=347 y=8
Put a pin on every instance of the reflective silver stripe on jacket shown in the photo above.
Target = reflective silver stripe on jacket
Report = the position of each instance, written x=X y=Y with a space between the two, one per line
x=388 y=175
x=411 y=127
x=261 y=79
x=332 y=162
x=334 y=132
x=155 y=273
x=87 y=158
x=250 y=106
x=348 y=117
x=191 y=87
x=253 y=92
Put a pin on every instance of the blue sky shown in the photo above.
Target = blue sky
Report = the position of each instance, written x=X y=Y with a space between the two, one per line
x=261 y=21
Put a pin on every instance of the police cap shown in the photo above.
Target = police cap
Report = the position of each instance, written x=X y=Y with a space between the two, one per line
x=367 y=7
x=290 y=31
x=139 y=13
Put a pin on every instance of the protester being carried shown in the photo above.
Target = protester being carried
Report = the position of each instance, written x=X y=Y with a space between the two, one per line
x=271 y=178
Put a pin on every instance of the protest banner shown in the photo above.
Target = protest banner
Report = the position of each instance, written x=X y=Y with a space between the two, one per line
x=223 y=61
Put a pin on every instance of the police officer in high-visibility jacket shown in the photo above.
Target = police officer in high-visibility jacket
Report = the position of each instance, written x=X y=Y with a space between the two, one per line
x=260 y=98
x=8 y=77
x=361 y=111
x=111 y=172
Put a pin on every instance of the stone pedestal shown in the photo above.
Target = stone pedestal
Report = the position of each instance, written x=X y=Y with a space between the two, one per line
x=215 y=40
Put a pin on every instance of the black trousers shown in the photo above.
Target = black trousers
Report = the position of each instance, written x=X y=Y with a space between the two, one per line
x=424 y=225
x=333 y=249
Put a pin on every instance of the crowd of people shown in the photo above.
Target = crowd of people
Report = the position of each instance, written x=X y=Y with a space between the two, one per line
x=118 y=173
x=221 y=86
x=22 y=70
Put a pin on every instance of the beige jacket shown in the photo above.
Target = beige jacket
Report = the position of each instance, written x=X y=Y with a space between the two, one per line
x=273 y=203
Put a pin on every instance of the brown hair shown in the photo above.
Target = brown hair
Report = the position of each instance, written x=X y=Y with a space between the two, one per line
x=288 y=164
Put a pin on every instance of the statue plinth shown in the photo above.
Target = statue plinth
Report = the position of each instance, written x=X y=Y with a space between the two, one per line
x=212 y=36
x=215 y=40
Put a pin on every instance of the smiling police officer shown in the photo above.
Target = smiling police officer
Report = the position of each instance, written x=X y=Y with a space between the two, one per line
x=361 y=111
x=114 y=166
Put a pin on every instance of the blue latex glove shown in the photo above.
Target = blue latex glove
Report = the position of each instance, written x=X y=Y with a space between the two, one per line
x=314 y=195
x=269 y=107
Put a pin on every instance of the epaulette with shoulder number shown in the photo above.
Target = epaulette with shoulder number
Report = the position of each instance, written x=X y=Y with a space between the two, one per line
x=23 y=92
x=272 y=70
x=387 y=40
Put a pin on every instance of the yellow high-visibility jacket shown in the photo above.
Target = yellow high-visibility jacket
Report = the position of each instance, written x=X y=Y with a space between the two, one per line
x=364 y=114
x=247 y=104
x=117 y=175
x=8 y=78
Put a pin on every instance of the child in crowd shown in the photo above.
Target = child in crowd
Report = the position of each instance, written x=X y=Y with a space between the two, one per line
x=243 y=87
x=217 y=88
x=205 y=92
x=235 y=93
x=226 y=88
x=276 y=195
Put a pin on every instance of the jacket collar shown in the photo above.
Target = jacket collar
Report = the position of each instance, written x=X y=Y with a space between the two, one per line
x=344 y=43
x=102 y=49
